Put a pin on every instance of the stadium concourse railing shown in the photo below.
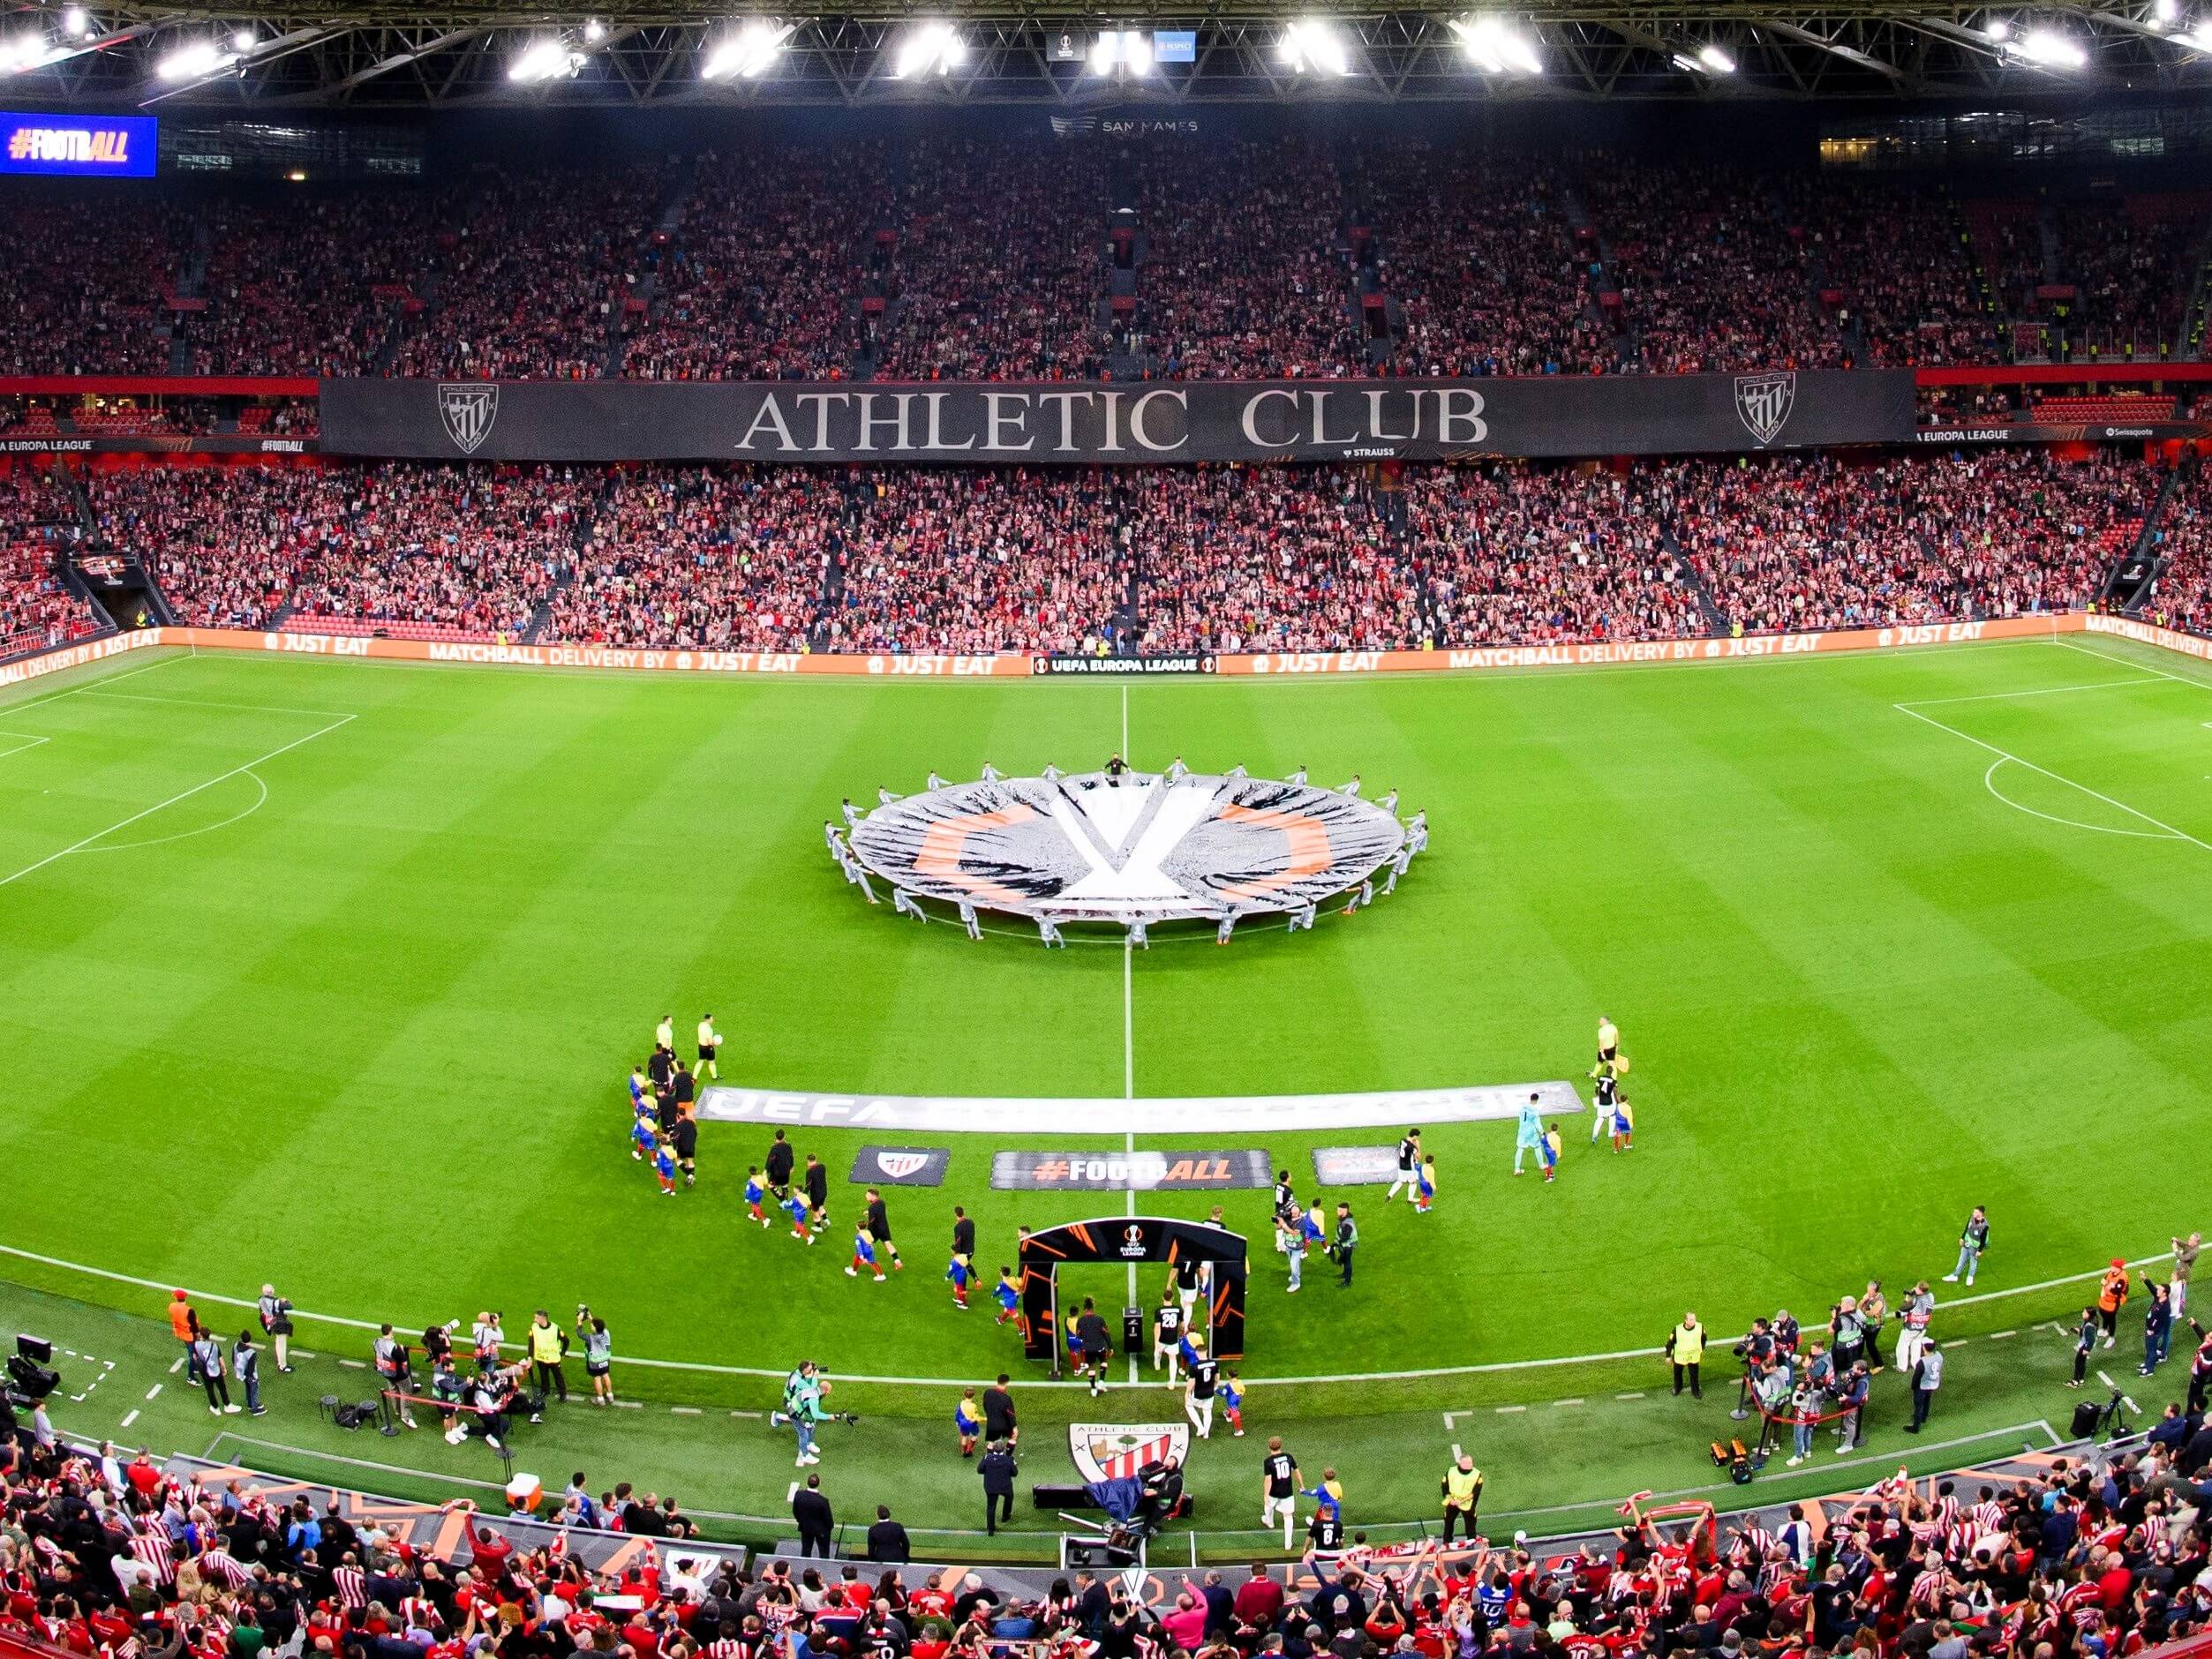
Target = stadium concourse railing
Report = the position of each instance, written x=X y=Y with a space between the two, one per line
x=1022 y=665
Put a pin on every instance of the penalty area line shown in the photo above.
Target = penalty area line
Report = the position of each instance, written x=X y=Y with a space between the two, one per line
x=181 y=795
x=2006 y=755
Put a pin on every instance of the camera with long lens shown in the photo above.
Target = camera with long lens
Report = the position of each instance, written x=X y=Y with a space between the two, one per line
x=30 y=1377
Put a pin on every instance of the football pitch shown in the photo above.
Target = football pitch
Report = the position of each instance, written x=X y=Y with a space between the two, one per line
x=331 y=974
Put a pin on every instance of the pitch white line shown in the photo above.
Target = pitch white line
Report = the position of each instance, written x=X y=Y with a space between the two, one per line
x=24 y=741
x=206 y=828
x=2042 y=691
x=1129 y=1086
x=708 y=1368
x=129 y=1419
x=79 y=691
x=1988 y=782
x=210 y=702
x=183 y=795
x=2129 y=661
x=1992 y=749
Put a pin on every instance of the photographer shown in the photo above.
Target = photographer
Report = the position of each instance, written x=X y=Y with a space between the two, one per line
x=598 y=1355
x=275 y=1313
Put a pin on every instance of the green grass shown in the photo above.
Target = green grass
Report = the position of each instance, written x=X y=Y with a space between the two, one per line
x=367 y=1038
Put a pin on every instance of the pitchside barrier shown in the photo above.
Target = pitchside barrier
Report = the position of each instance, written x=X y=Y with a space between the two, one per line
x=1022 y=665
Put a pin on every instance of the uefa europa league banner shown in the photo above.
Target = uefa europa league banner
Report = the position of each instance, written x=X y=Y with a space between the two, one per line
x=1091 y=422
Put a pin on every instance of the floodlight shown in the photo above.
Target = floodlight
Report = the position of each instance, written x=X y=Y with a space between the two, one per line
x=2047 y=49
x=1716 y=59
x=751 y=51
x=1309 y=44
x=199 y=58
x=1496 y=46
x=927 y=47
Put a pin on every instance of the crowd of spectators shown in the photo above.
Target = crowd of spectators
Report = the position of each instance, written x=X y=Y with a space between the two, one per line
x=2183 y=597
x=2131 y=265
x=537 y=278
x=716 y=558
x=1205 y=559
x=37 y=520
x=108 y=1555
x=314 y=284
x=1896 y=262
x=762 y=279
x=466 y=552
x=91 y=284
x=1788 y=543
x=940 y=257
x=974 y=560
x=997 y=263
x=1710 y=278
x=1245 y=270
x=1479 y=258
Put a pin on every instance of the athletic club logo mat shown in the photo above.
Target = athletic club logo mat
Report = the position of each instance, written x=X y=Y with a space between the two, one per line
x=1117 y=1451
x=1144 y=847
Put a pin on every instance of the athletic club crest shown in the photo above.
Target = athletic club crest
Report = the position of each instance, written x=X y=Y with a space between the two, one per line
x=1764 y=402
x=899 y=1166
x=1117 y=1452
x=468 y=409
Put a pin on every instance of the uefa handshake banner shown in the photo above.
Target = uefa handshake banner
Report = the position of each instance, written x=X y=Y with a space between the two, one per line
x=1091 y=422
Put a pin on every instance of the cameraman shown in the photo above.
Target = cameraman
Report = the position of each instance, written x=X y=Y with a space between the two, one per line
x=275 y=1313
x=803 y=1391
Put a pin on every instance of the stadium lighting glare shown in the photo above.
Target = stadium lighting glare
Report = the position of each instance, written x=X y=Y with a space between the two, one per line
x=2198 y=38
x=927 y=47
x=1999 y=30
x=75 y=22
x=1126 y=49
x=1716 y=59
x=594 y=31
x=194 y=61
x=1494 y=45
x=750 y=51
x=2047 y=49
x=1311 y=44
x=2165 y=10
x=541 y=60
x=242 y=40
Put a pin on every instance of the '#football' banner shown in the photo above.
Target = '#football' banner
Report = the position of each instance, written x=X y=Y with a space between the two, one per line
x=1090 y=424
x=1133 y=1172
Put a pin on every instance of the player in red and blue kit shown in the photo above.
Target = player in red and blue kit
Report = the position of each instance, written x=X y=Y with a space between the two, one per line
x=863 y=1256
x=1230 y=1393
x=1009 y=1295
x=755 y=1195
x=958 y=1273
x=644 y=1138
x=965 y=1420
x=665 y=1166
x=796 y=1207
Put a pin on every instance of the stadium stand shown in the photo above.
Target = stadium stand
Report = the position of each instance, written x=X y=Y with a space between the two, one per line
x=2183 y=596
x=1282 y=256
x=1217 y=559
x=36 y=608
x=111 y=1556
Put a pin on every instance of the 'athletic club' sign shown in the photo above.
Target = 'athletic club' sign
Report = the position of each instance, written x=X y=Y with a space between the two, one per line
x=1092 y=423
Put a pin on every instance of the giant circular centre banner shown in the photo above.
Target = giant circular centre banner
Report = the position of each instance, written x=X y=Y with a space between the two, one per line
x=1142 y=847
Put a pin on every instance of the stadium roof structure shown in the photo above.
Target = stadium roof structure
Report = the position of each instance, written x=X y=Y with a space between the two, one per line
x=384 y=54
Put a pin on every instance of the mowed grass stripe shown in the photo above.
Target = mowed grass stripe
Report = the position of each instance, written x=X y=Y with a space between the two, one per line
x=536 y=866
